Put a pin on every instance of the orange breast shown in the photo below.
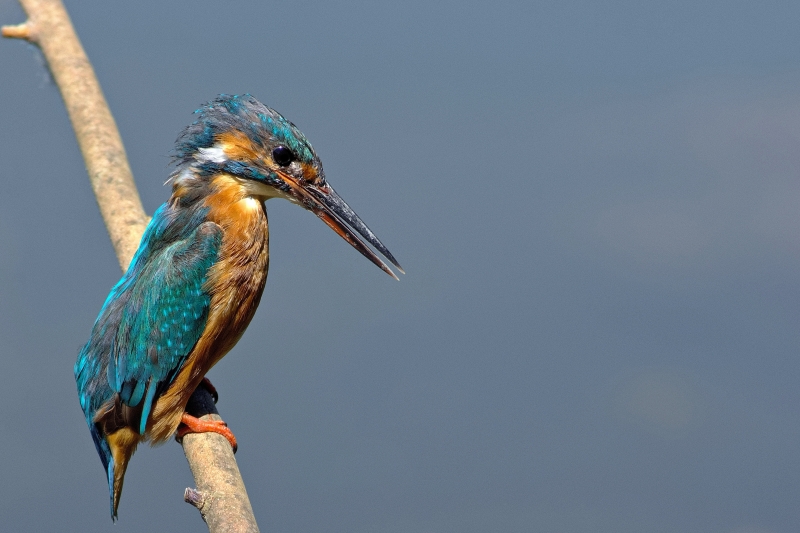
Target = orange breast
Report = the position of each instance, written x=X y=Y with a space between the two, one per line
x=235 y=284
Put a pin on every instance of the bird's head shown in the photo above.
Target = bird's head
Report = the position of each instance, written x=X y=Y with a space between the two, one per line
x=240 y=136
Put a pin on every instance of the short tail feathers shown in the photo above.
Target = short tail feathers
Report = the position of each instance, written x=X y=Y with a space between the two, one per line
x=115 y=451
x=113 y=492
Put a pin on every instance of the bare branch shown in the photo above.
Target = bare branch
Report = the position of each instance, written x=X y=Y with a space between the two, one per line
x=220 y=496
x=222 y=499
x=50 y=29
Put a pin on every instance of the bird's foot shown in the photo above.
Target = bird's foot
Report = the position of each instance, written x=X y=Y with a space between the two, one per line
x=190 y=424
x=210 y=388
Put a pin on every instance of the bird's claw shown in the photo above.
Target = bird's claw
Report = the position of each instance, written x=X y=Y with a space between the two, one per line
x=191 y=424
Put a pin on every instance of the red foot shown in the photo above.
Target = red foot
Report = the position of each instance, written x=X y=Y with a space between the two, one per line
x=190 y=424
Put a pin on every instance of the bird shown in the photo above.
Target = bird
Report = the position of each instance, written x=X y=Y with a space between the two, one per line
x=198 y=275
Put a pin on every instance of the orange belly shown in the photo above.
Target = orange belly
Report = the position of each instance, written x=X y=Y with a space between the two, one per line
x=235 y=283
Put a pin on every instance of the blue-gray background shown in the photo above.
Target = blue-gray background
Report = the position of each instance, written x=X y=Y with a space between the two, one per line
x=597 y=206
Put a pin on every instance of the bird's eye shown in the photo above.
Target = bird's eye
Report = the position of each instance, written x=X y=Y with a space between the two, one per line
x=282 y=156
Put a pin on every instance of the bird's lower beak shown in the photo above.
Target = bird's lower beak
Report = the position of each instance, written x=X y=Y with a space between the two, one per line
x=330 y=207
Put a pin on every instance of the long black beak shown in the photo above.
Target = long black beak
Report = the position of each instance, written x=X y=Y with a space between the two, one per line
x=330 y=207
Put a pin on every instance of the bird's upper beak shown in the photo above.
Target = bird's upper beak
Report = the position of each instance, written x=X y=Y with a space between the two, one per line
x=329 y=206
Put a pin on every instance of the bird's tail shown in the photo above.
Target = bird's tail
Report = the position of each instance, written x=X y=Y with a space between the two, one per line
x=115 y=451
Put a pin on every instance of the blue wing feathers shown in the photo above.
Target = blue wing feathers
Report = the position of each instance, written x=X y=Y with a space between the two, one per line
x=167 y=313
x=152 y=318
x=148 y=404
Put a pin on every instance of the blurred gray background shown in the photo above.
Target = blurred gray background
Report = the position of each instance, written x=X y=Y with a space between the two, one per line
x=597 y=207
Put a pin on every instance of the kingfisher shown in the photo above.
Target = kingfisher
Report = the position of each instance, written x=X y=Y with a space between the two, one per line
x=197 y=277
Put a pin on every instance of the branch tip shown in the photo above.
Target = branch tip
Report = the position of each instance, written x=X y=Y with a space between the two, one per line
x=20 y=31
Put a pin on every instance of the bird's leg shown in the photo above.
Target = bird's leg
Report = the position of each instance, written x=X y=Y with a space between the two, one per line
x=210 y=388
x=190 y=424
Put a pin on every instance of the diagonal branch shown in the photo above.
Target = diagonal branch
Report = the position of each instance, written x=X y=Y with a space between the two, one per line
x=221 y=499
x=49 y=28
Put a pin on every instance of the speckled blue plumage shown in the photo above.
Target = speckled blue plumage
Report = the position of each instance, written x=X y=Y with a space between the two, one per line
x=151 y=319
x=263 y=126
x=240 y=113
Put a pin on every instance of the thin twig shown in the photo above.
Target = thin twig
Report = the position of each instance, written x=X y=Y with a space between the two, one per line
x=20 y=31
x=224 y=503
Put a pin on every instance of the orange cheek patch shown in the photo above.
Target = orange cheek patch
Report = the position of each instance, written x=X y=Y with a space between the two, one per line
x=238 y=146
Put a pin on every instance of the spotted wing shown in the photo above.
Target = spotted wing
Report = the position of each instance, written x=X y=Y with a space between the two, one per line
x=161 y=312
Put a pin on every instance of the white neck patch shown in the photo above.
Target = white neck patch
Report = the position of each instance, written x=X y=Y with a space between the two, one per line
x=215 y=154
